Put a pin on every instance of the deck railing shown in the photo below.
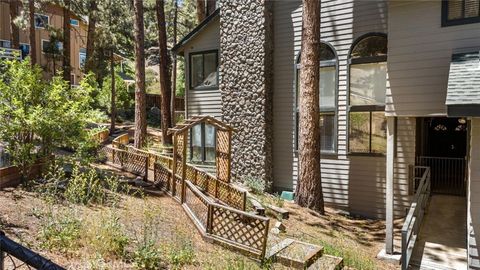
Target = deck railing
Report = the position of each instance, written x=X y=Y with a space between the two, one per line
x=448 y=174
x=9 y=53
x=413 y=221
x=10 y=251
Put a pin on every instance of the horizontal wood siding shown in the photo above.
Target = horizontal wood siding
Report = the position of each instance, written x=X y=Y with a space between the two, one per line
x=473 y=220
x=419 y=56
x=203 y=102
x=354 y=183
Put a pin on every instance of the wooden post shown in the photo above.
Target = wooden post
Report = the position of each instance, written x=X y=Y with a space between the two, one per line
x=184 y=165
x=389 y=237
x=229 y=157
x=174 y=164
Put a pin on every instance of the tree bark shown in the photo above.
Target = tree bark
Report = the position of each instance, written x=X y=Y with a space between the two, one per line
x=174 y=61
x=165 y=83
x=140 y=95
x=91 y=35
x=33 y=41
x=113 y=111
x=66 y=42
x=14 y=30
x=309 y=186
x=211 y=6
x=201 y=10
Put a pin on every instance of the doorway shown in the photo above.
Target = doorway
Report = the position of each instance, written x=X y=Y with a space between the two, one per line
x=442 y=146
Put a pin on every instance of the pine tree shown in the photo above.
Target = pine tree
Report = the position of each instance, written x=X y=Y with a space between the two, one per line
x=140 y=95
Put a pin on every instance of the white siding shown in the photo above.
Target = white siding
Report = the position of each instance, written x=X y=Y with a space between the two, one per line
x=473 y=221
x=354 y=183
x=203 y=102
x=419 y=56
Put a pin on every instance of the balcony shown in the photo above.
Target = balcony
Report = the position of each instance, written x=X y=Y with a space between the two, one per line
x=8 y=53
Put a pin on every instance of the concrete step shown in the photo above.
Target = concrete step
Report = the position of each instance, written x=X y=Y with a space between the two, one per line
x=327 y=262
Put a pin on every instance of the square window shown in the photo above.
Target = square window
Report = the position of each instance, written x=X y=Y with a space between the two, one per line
x=82 y=57
x=5 y=44
x=41 y=21
x=204 y=70
x=458 y=12
x=368 y=83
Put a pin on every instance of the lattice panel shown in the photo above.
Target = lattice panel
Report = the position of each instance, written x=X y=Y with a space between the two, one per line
x=223 y=155
x=211 y=186
x=240 y=228
x=231 y=196
x=179 y=152
x=165 y=161
x=162 y=177
x=191 y=175
x=108 y=152
x=135 y=163
x=178 y=188
x=197 y=205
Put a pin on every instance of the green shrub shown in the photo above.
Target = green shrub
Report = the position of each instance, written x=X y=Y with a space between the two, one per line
x=256 y=185
x=85 y=188
x=106 y=236
x=147 y=257
x=60 y=231
x=181 y=254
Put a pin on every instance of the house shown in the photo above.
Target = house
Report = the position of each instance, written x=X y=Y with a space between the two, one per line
x=49 y=57
x=399 y=87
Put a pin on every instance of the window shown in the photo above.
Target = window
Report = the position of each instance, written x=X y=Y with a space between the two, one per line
x=25 y=48
x=202 y=141
x=74 y=22
x=368 y=82
x=204 y=70
x=48 y=48
x=5 y=44
x=457 y=12
x=328 y=100
x=41 y=21
x=82 y=57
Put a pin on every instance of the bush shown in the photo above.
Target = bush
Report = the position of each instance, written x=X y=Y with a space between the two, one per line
x=60 y=231
x=181 y=254
x=106 y=236
x=147 y=257
x=257 y=186
x=85 y=188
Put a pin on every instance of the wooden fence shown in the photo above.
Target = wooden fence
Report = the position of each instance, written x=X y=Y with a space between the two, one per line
x=135 y=163
x=12 y=176
x=101 y=136
x=121 y=141
x=220 y=223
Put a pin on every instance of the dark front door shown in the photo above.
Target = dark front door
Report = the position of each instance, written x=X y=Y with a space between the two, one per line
x=443 y=148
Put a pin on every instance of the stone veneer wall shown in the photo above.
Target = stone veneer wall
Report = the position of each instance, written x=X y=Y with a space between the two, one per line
x=245 y=84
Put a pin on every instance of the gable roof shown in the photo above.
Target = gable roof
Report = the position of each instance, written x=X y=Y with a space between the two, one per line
x=198 y=29
x=463 y=93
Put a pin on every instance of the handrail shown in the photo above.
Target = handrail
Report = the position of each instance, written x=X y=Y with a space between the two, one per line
x=411 y=226
x=24 y=254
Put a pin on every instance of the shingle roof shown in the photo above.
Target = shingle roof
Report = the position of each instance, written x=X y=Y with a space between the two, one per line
x=464 y=79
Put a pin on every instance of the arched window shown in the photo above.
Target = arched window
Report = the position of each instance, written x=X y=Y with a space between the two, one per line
x=368 y=82
x=328 y=98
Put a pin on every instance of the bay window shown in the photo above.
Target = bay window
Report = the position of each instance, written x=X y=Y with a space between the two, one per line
x=368 y=81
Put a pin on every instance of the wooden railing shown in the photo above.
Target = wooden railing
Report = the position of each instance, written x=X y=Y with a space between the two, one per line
x=226 y=225
x=101 y=136
x=121 y=141
x=413 y=221
x=135 y=163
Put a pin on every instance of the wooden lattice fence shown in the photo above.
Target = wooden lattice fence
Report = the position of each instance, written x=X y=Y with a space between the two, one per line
x=136 y=163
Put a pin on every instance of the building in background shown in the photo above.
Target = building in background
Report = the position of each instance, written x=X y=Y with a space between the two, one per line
x=49 y=55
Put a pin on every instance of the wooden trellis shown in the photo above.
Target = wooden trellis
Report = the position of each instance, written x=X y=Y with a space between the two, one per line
x=223 y=148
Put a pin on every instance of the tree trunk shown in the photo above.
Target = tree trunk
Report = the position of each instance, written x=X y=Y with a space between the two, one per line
x=165 y=83
x=14 y=30
x=201 y=10
x=211 y=6
x=113 y=111
x=91 y=35
x=33 y=41
x=309 y=185
x=140 y=95
x=174 y=61
x=66 y=42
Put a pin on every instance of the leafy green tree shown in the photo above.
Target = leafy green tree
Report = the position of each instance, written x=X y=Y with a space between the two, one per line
x=39 y=115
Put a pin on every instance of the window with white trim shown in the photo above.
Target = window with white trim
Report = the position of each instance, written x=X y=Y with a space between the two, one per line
x=328 y=98
x=74 y=22
x=368 y=82
x=82 y=57
x=204 y=70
